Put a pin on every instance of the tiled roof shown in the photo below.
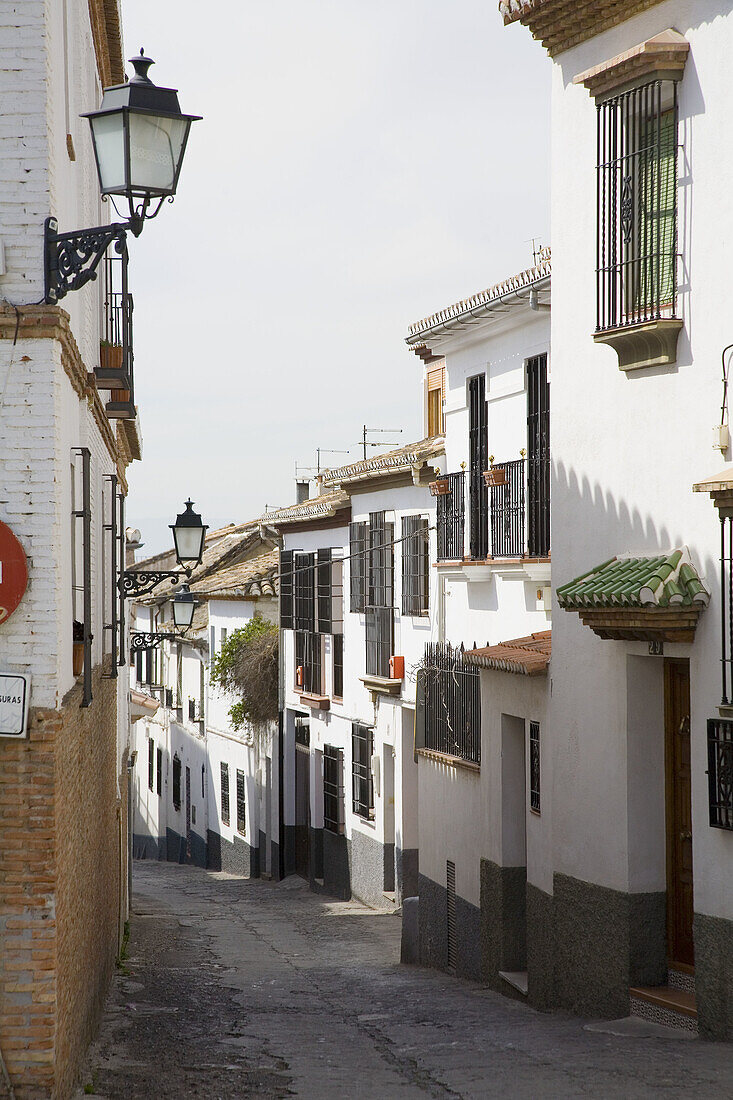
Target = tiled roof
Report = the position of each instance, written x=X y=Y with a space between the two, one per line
x=403 y=458
x=219 y=553
x=246 y=580
x=528 y=656
x=665 y=580
x=320 y=507
x=561 y=24
x=484 y=299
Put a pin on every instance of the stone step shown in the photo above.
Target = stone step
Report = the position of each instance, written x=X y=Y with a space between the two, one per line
x=665 y=1005
x=681 y=979
x=517 y=978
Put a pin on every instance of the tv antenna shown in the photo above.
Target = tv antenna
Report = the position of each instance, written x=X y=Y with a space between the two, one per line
x=364 y=442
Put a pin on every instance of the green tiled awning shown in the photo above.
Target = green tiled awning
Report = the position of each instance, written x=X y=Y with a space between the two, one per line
x=664 y=581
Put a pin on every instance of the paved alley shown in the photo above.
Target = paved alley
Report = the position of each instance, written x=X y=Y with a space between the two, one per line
x=244 y=988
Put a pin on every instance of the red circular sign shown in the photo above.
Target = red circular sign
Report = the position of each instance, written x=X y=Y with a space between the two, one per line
x=13 y=572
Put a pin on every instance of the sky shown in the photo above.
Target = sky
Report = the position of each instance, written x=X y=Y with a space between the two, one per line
x=360 y=164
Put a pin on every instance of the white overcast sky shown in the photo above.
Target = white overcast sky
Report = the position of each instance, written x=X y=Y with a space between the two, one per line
x=360 y=164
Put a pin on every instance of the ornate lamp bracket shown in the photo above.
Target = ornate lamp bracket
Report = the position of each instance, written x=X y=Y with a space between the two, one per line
x=143 y=639
x=72 y=259
x=133 y=583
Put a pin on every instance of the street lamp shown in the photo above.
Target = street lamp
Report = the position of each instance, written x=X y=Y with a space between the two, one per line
x=189 y=535
x=183 y=608
x=139 y=135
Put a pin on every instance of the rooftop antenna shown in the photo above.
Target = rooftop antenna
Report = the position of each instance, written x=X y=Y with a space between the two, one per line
x=364 y=442
x=325 y=451
x=538 y=250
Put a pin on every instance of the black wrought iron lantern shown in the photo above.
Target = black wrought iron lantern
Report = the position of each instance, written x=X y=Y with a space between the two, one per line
x=189 y=534
x=139 y=135
x=183 y=608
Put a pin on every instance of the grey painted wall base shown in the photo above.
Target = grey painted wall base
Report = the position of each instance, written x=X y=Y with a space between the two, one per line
x=406 y=871
x=315 y=862
x=410 y=942
x=540 y=949
x=433 y=931
x=289 y=849
x=336 y=861
x=714 y=976
x=369 y=862
x=237 y=857
x=148 y=847
x=174 y=847
x=468 y=940
x=605 y=941
x=503 y=922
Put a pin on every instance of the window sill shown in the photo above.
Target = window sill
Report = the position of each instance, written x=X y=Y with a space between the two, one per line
x=315 y=702
x=382 y=685
x=451 y=761
x=647 y=344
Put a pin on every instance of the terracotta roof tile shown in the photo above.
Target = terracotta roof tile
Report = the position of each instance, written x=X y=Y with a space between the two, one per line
x=323 y=506
x=528 y=656
x=389 y=463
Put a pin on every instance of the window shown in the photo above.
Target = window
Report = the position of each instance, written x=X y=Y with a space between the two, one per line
x=380 y=610
x=333 y=790
x=534 y=767
x=324 y=592
x=436 y=390
x=478 y=445
x=176 y=782
x=151 y=763
x=338 y=665
x=81 y=496
x=450 y=517
x=308 y=659
x=538 y=457
x=241 y=823
x=203 y=780
x=362 y=741
x=637 y=206
x=223 y=636
x=287 y=612
x=212 y=644
x=305 y=610
x=110 y=594
x=448 y=707
x=720 y=772
x=224 y=794
x=507 y=510
x=358 y=535
x=414 y=565
x=159 y=762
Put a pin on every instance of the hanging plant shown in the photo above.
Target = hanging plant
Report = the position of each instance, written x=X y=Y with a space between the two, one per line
x=247 y=666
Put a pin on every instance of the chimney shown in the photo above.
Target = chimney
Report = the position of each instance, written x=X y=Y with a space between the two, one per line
x=302 y=491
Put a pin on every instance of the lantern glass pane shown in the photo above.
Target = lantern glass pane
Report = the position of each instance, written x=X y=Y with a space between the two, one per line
x=156 y=146
x=183 y=613
x=189 y=541
x=108 y=131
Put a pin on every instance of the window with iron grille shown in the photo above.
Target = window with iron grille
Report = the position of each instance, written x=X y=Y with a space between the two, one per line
x=324 y=591
x=538 y=457
x=379 y=623
x=304 y=581
x=333 y=789
x=302 y=730
x=448 y=707
x=224 y=793
x=720 y=772
x=82 y=562
x=534 y=767
x=507 y=511
x=176 y=782
x=381 y=561
x=362 y=742
x=241 y=807
x=478 y=445
x=159 y=773
x=287 y=607
x=358 y=546
x=415 y=570
x=637 y=206
x=337 y=593
x=308 y=658
x=337 y=643
x=151 y=763
x=450 y=518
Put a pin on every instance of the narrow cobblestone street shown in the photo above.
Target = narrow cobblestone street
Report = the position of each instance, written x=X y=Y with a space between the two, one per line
x=243 y=988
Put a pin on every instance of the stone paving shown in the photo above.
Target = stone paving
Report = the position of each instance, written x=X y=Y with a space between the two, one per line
x=243 y=988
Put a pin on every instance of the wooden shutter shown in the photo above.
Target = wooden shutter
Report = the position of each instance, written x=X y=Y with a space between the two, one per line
x=287 y=614
x=436 y=396
x=358 y=565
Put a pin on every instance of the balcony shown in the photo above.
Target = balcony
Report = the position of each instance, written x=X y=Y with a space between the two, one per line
x=115 y=372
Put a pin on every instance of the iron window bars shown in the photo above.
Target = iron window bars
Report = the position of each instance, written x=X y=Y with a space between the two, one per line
x=287 y=605
x=379 y=611
x=305 y=610
x=302 y=730
x=176 y=782
x=534 y=767
x=338 y=665
x=452 y=703
x=379 y=623
x=113 y=626
x=415 y=571
x=450 y=518
x=324 y=591
x=358 y=546
x=159 y=772
x=538 y=457
x=85 y=515
x=116 y=371
x=362 y=742
x=241 y=805
x=720 y=772
x=333 y=789
x=726 y=605
x=224 y=771
x=478 y=445
x=507 y=511
x=637 y=206
x=308 y=657
x=151 y=763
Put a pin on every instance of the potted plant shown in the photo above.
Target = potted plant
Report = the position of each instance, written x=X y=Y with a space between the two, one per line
x=441 y=486
x=495 y=475
x=110 y=355
x=78 y=648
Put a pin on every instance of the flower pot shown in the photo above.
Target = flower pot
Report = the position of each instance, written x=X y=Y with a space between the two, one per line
x=78 y=658
x=440 y=488
x=495 y=476
x=110 y=356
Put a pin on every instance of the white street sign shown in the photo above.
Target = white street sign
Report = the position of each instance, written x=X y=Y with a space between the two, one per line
x=15 y=693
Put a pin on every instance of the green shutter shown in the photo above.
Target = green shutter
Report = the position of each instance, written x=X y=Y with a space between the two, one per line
x=659 y=211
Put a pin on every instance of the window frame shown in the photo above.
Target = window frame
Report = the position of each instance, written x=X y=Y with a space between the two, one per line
x=224 y=793
x=415 y=565
x=333 y=789
x=241 y=793
x=362 y=781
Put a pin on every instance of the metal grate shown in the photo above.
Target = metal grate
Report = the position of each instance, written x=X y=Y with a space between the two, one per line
x=478 y=462
x=362 y=741
x=241 y=806
x=720 y=772
x=538 y=458
x=324 y=588
x=507 y=511
x=176 y=782
x=414 y=565
x=637 y=206
x=304 y=584
x=379 y=623
x=451 y=929
x=159 y=762
x=225 y=793
x=338 y=665
x=452 y=703
x=450 y=518
x=333 y=789
x=308 y=657
x=151 y=764
x=287 y=595
x=358 y=541
x=302 y=730
x=534 y=767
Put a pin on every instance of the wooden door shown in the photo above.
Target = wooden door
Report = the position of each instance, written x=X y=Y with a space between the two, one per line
x=188 y=813
x=680 y=906
x=302 y=810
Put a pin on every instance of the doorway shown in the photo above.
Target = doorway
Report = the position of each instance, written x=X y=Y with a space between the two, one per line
x=680 y=903
x=302 y=796
x=188 y=813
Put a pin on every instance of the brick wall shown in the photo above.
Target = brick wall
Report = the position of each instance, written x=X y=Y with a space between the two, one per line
x=61 y=866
